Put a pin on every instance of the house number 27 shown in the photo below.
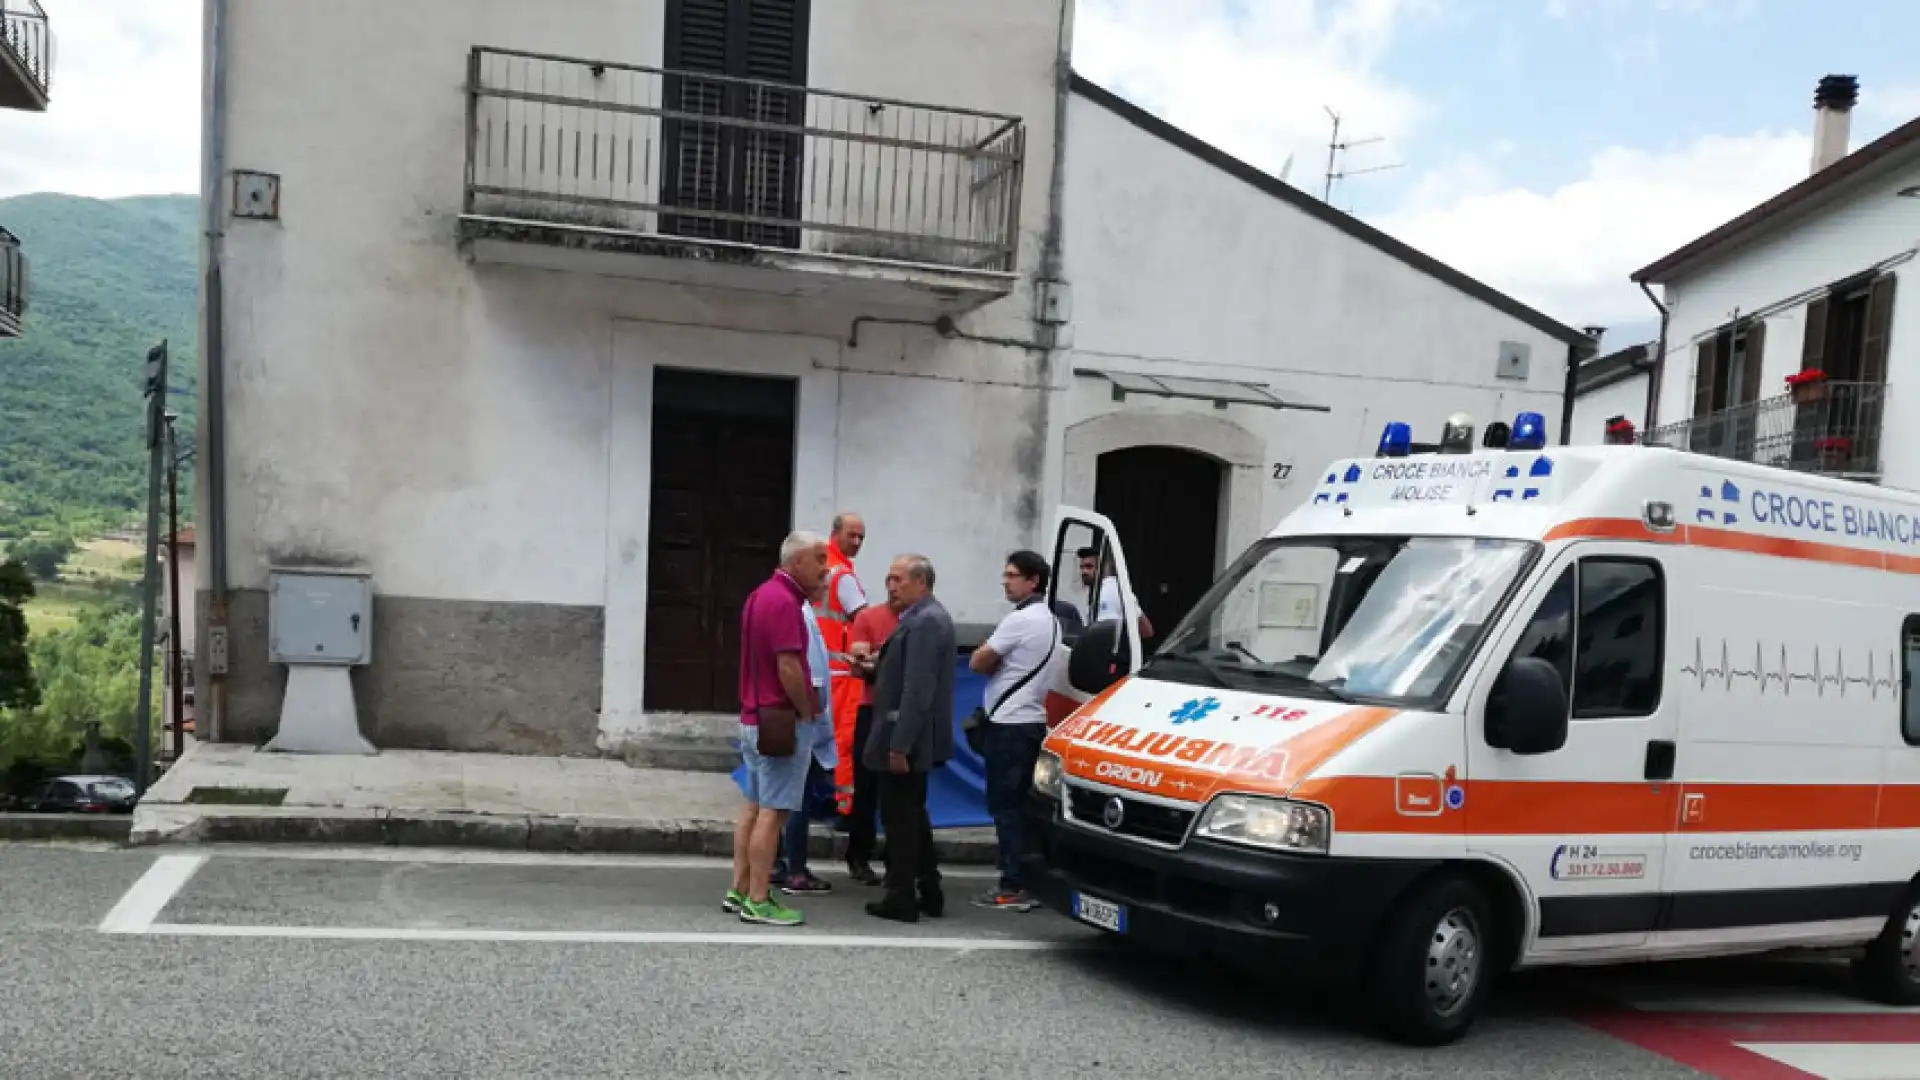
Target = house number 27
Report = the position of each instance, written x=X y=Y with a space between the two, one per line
x=1282 y=470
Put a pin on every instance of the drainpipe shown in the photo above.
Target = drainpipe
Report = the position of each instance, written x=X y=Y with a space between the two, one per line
x=1659 y=358
x=213 y=351
x=1574 y=356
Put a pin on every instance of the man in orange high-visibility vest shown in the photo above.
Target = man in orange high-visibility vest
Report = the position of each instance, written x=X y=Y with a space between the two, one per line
x=845 y=598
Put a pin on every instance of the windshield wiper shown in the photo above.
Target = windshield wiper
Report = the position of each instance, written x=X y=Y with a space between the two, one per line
x=1317 y=687
x=1235 y=646
x=1215 y=675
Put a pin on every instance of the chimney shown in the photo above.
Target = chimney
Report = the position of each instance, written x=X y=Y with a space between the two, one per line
x=1833 y=102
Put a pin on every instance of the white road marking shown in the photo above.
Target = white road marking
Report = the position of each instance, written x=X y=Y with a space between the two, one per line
x=142 y=904
x=471 y=857
x=1845 y=1061
x=773 y=938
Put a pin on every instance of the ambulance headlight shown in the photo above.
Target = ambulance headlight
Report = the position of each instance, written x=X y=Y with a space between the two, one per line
x=1275 y=824
x=1046 y=774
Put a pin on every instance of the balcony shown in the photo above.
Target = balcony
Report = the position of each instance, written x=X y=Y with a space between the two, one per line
x=26 y=55
x=1832 y=431
x=701 y=179
x=13 y=286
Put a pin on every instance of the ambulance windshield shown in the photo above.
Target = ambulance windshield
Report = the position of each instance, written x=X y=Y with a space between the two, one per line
x=1393 y=618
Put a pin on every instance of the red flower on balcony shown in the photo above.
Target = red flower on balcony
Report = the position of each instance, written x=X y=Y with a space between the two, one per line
x=1807 y=386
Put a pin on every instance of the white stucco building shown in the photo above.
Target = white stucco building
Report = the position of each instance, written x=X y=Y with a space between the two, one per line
x=1610 y=388
x=1803 y=290
x=561 y=338
x=26 y=73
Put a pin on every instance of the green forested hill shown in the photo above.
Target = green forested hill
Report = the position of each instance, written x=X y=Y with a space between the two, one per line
x=109 y=279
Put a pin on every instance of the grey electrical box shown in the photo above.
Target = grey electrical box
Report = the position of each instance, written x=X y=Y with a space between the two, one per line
x=256 y=195
x=1515 y=358
x=320 y=616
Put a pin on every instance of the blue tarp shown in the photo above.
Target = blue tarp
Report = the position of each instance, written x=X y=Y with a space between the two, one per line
x=957 y=792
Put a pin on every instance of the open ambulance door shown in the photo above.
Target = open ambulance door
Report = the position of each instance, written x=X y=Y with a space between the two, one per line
x=1092 y=596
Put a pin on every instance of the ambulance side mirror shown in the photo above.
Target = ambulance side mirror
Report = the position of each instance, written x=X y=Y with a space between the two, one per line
x=1099 y=658
x=1527 y=713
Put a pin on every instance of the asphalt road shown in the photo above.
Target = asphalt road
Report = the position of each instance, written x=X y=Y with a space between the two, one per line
x=230 y=963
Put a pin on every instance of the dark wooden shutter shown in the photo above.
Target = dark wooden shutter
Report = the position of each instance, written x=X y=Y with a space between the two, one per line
x=776 y=51
x=1873 y=354
x=1813 y=348
x=1706 y=367
x=715 y=169
x=1754 y=349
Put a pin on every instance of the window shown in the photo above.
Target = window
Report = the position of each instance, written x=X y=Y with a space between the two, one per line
x=1909 y=661
x=1726 y=384
x=1608 y=646
x=731 y=180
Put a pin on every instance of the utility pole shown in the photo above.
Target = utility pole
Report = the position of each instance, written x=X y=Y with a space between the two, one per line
x=156 y=447
x=175 y=666
x=1334 y=149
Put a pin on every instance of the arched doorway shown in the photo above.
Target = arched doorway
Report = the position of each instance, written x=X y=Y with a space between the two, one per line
x=1164 y=502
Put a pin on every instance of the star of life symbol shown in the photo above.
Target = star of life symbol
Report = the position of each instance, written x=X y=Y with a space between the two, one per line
x=1194 y=710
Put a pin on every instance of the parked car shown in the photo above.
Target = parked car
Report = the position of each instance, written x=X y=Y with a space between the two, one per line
x=82 y=795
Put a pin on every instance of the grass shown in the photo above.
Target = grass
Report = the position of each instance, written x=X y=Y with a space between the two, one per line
x=86 y=580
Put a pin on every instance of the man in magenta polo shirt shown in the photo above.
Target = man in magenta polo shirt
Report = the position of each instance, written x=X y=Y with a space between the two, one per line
x=773 y=675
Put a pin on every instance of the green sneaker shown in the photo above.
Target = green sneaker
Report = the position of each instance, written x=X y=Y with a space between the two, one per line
x=733 y=902
x=770 y=912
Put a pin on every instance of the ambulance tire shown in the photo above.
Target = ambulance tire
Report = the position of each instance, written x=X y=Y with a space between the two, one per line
x=1431 y=962
x=1889 y=971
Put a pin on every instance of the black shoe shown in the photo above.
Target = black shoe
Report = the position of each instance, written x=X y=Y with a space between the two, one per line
x=886 y=909
x=861 y=872
x=933 y=904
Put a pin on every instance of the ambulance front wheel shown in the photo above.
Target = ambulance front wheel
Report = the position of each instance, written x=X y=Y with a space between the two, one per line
x=1889 y=972
x=1432 y=961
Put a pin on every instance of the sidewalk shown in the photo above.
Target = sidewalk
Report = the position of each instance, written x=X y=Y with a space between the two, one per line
x=222 y=793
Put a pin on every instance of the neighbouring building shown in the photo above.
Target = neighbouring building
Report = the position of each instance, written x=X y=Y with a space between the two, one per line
x=1784 y=340
x=26 y=69
x=558 y=339
x=1613 y=396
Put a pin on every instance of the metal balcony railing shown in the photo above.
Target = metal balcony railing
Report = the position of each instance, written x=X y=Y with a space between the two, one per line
x=1833 y=429
x=637 y=150
x=25 y=34
x=13 y=285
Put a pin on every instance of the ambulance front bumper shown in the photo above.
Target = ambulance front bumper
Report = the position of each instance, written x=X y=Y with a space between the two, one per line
x=1309 y=915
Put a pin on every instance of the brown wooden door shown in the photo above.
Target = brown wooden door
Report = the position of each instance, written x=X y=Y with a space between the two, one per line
x=722 y=501
x=1165 y=504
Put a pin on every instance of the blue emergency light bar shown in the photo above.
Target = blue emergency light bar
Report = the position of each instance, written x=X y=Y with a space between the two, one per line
x=1396 y=440
x=1529 y=432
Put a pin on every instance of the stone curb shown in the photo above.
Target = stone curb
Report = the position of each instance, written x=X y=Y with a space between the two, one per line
x=17 y=827
x=409 y=828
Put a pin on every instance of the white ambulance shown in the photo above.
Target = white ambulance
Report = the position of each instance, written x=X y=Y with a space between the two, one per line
x=1465 y=712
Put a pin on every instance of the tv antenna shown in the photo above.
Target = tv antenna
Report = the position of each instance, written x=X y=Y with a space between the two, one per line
x=1335 y=148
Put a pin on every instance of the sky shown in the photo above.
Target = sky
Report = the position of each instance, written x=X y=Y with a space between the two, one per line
x=1547 y=147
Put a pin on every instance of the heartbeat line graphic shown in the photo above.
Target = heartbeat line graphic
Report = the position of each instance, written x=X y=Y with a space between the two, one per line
x=1784 y=676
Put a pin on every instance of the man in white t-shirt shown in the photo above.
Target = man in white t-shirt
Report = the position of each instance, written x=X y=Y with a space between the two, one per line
x=1018 y=661
x=1108 y=606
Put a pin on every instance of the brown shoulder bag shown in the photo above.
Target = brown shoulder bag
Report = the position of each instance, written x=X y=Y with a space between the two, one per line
x=778 y=726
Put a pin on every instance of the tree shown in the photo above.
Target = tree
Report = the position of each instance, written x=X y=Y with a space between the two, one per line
x=44 y=555
x=18 y=690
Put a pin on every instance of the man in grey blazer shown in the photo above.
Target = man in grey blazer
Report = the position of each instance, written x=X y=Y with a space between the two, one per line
x=912 y=735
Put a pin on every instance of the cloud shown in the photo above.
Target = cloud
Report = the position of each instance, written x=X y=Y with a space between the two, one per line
x=125 y=112
x=1254 y=77
x=1569 y=250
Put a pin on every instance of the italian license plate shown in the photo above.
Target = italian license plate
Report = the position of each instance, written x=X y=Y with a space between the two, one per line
x=1104 y=914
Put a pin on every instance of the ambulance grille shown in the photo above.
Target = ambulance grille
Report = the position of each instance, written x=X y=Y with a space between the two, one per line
x=1142 y=820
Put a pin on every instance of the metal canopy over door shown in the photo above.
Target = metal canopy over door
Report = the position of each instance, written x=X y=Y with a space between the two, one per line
x=722 y=501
